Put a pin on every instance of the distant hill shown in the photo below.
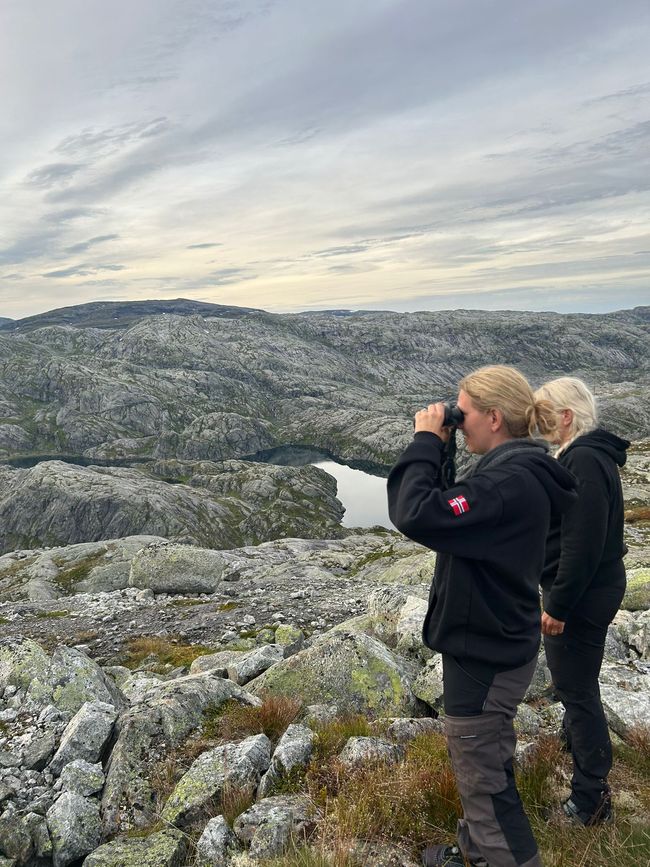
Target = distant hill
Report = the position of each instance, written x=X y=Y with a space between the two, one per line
x=4 y=321
x=194 y=381
x=119 y=314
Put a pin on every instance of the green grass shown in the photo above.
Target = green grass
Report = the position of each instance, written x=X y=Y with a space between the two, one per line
x=67 y=579
x=49 y=615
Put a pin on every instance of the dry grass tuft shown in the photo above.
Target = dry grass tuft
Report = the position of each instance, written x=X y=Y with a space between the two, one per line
x=536 y=777
x=235 y=801
x=233 y=721
x=332 y=736
x=167 y=652
x=411 y=802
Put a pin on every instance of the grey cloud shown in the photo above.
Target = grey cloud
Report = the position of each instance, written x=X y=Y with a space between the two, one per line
x=30 y=246
x=66 y=215
x=202 y=246
x=224 y=276
x=106 y=141
x=82 y=270
x=347 y=250
x=635 y=90
x=54 y=173
x=91 y=242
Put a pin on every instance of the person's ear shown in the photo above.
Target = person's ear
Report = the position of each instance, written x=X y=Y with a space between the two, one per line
x=496 y=420
x=567 y=417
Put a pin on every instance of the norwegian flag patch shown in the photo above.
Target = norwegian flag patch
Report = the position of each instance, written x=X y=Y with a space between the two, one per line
x=459 y=505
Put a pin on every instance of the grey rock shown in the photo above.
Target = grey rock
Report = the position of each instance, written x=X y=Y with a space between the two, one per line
x=38 y=752
x=75 y=828
x=355 y=672
x=166 y=848
x=176 y=569
x=290 y=638
x=405 y=729
x=541 y=683
x=408 y=628
x=360 y=751
x=428 y=686
x=239 y=766
x=625 y=693
x=217 y=663
x=66 y=680
x=291 y=755
x=268 y=827
x=163 y=720
x=82 y=778
x=526 y=721
x=86 y=735
x=216 y=844
x=319 y=714
x=250 y=665
x=16 y=838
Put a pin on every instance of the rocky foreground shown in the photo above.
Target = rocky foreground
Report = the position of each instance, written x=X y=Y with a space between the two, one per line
x=117 y=655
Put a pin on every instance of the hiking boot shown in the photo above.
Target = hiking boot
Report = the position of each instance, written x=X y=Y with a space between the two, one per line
x=442 y=856
x=603 y=815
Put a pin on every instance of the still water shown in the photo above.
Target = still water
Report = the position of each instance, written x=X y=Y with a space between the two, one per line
x=363 y=495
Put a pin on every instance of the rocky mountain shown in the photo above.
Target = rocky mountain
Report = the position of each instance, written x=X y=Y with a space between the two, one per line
x=4 y=321
x=177 y=380
x=202 y=503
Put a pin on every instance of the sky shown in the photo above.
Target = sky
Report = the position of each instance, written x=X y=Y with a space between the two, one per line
x=301 y=155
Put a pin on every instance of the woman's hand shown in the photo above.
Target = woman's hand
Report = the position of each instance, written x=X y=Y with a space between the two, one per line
x=431 y=419
x=551 y=626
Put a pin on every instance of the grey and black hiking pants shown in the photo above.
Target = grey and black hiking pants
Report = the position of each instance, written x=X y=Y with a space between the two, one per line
x=480 y=704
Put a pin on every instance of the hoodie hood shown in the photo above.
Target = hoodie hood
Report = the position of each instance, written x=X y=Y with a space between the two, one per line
x=605 y=441
x=557 y=481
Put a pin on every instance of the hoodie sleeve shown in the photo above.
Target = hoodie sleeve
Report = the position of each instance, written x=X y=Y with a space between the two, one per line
x=582 y=536
x=454 y=521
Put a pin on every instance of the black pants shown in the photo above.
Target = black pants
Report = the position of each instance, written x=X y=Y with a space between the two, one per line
x=480 y=703
x=574 y=659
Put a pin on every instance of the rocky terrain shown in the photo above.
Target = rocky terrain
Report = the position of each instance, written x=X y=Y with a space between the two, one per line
x=115 y=655
x=203 y=382
x=196 y=658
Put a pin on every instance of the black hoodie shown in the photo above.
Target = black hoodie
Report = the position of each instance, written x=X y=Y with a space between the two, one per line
x=490 y=532
x=585 y=546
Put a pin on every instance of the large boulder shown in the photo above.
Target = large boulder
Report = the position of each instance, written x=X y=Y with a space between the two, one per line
x=291 y=756
x=216 y=844
x=237 y=766
x=166 y=848
x=625 y=693
x=75 y=828
x=86 y=735
x=637 y=593
x=354 y=671
x=269 y=827
x=176 y=569
x=162 y=720
x=67 y=679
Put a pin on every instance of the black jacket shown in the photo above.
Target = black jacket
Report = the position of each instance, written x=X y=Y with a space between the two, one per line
x=585 y=546
x=490 y=532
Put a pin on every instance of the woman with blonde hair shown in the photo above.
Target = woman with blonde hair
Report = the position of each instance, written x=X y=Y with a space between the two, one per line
x=489 y=530
x=583 y=584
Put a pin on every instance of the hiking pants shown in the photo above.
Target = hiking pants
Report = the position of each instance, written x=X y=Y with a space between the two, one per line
x=574 y=659
x=480 y=704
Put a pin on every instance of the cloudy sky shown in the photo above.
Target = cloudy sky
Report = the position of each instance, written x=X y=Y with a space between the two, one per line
x=297 y=154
